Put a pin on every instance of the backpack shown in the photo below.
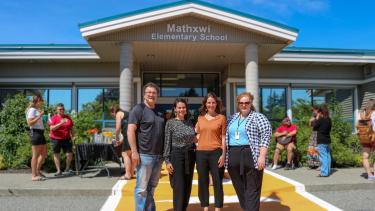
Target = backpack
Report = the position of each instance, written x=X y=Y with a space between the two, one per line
x=364 y=130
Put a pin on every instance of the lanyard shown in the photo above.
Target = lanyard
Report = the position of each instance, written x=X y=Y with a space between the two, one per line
x=240 y=122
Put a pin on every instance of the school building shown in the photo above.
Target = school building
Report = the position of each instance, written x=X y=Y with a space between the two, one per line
x=189 y=48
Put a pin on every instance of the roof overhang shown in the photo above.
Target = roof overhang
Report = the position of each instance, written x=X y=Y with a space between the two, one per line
x=146 y=16
x=321 y=55
x=47 y=52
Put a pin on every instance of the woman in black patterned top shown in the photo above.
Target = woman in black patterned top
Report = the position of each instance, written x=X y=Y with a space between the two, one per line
x=179 y=153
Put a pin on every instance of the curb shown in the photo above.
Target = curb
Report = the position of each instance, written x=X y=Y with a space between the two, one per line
x=340 y=187
x=54 y=192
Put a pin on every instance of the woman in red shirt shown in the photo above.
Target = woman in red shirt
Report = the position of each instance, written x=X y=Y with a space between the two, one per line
x=61 y=126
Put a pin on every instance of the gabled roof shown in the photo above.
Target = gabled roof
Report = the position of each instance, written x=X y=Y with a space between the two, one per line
x=130 y=19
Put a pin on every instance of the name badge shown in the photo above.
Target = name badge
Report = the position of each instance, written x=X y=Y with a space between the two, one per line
x=237 y=135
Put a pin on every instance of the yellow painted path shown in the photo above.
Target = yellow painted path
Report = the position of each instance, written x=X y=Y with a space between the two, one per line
x=278 y=193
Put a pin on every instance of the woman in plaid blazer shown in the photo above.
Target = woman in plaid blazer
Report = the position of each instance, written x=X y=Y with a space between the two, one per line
x=247 y=138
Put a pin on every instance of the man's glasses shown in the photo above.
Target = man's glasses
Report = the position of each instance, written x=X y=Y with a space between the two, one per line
x=244 y=103
x=61 y=109
x=151 y=93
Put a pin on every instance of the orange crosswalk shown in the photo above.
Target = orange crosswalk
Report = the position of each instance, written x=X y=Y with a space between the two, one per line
x=278 y=193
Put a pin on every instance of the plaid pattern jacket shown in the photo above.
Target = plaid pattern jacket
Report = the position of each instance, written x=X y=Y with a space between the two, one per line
x=258 y=130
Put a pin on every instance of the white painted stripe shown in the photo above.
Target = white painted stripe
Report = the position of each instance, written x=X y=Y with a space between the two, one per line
x=227 y=199
x=115 y=197
x=300 y=189
x=195 y=182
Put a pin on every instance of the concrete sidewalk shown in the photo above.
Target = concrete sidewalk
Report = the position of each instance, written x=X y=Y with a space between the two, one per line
x=20 y=184
x=339 y=180
x=17 y=184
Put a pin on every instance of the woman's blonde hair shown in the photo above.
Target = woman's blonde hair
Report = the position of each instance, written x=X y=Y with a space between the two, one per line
x=34 y=100
x=251 y=98
x=370 y=106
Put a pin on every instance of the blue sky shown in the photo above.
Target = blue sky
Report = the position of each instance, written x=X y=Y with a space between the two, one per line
x=322 y=23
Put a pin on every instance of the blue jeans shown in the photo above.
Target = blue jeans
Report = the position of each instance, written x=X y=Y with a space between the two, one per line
x=325 y=159
x=148 y=173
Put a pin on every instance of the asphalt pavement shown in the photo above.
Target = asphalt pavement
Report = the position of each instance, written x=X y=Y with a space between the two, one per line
x=345 y=188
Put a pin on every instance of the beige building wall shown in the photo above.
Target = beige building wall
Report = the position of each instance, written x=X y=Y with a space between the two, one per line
x=301 y=71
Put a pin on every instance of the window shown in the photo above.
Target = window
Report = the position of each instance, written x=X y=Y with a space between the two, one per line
x=64 y=96
x=50 y=96
x=304 y=99
x=184 y=84
x=273 y=103
x=301 y=103
x=240 y=89
x=98 y=101
x=6 y=93
x=30 y=92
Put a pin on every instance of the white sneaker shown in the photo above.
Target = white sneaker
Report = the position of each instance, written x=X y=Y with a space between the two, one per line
x=274 y=167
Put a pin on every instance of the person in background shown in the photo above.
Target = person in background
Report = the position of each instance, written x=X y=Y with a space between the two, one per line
x=210 y=154
x=61 y=133
x=122 y=127
x=146 y=140
x=288 y=131
x=179 y=153
x=367 y=116
x=248 y=137
x=312 y=152
x=323 y=125
x=34 y=114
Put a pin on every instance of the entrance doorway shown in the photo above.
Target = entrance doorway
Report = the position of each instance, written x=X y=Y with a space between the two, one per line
x=190 y=86
x=194 y=103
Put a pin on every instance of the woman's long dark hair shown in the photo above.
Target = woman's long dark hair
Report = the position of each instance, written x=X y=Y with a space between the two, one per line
x=115 y=108
x=219 y=105
x=323 y=109
x=180 y=100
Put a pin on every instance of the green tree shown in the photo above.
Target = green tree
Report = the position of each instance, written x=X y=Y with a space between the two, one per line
x=15 y=147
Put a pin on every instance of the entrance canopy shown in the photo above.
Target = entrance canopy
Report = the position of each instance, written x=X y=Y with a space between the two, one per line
x=193 y=31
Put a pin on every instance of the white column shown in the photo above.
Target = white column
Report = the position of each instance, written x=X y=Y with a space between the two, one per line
x=289 y=102
x=356 y=106
x=227 y=98
x=126 y=76
x=251 y=72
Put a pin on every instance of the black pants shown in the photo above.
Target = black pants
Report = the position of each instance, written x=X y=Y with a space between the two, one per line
x=181 y=181
x=246 y=179
x=207 y=161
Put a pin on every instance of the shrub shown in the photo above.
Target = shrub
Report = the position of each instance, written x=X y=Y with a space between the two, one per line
x=13 y=132
x=84 y=121
x=2 y=163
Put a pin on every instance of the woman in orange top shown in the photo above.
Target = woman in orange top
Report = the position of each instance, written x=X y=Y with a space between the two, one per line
x=210 y=155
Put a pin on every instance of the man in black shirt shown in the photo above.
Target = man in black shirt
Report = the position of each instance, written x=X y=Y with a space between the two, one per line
x=146 y=139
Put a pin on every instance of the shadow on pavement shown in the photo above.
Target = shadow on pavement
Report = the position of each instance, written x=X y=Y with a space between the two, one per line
x=264 y=206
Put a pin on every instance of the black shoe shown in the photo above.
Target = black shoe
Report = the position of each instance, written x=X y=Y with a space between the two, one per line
x=287 y=167
x=68 y=172
x=58 y=173
x=293 y=167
